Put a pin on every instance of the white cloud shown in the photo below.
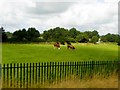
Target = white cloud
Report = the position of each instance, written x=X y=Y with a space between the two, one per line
x=82 y=14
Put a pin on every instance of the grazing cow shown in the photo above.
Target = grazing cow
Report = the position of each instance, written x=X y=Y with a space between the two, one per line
x=57 y=45
x=70 y=46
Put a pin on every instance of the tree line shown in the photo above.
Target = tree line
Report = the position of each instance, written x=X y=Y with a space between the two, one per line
x=57 y=34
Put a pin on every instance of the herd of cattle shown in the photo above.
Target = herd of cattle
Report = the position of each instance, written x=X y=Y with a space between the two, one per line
x=69 y=45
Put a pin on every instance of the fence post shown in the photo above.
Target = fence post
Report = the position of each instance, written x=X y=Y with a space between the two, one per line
x=47 y=70
x=17 y=75
x=36 y=76
x=30 y=75
x=44 y=72
x=14 y=75
x=24 y=75
x=39 y=75
x=27 y=75
x=55 y=65
x=7 y=75
x=20 y=75
x=11 y=75
x=3 y=76
x=33 y=75
x=58 y=73
x=65 y=69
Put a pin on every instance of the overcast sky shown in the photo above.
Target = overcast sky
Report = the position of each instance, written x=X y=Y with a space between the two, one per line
x=100 y=15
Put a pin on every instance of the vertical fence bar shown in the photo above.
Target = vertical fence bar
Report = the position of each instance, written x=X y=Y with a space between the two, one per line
x=36 y=76
x=27 y=76
x=14 y=76
x=11 y=75
x=23 y=76
x=79 y=69
x=42 y=73
x=70 y=68
x=67 y=70
x=20 y=75
x=58 y=72
x=33 y=75
x=52 y=72
x=76 y=69
x=7 y=75
x=55 y=65
x=4 y=74
x=63 y=70
x=17 y=75
x=39 y=75
x=30 y=75
x=47 y=71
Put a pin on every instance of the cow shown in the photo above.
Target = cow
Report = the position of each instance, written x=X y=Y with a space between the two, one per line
x=57 y=45
x=70 y=46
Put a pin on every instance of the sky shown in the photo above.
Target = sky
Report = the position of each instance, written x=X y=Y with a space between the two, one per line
x=84 y=15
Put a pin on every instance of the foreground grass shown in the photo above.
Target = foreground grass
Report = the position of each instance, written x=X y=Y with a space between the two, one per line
x=26 y=53
x=96 y=82
x=72 y=82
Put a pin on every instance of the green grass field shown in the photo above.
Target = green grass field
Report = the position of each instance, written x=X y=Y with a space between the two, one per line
x=26 y=53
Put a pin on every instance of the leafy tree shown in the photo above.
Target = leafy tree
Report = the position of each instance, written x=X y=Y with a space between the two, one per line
x=56 y=34
x=103 y=38
x=4 y=36
x=94 y=39
x=20 y=35
x=90 y=34
x=118 y=40
x=82 y=38
x=110 y=37
x=9 y=34
x=95 y=33
x=73 y=33
x=32 y=34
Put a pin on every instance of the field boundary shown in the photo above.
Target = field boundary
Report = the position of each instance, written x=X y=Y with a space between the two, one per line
x=26 y=75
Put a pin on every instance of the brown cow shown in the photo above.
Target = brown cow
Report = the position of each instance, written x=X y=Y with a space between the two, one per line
x=69 y=46
x=57 y=45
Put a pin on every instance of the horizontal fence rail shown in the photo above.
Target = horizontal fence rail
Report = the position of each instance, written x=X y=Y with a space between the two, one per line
x=30 y=75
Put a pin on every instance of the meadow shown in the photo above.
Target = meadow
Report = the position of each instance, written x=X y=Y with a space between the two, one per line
x=30 y=53
x=42 y=65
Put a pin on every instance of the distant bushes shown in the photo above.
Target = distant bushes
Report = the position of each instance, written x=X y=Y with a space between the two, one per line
x=57 y=34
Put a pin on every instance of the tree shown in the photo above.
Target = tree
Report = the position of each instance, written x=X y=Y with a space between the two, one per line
x=9 y=34
x=94 y=39
x=103 y=38
x=90 y=34
x=73 y=33
x=32 y=34
x=20 y=35
x=118 y=40
x=4 y=36
x=109 y=37
x=95 y=33
x=82 y=38
x=56 y=34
